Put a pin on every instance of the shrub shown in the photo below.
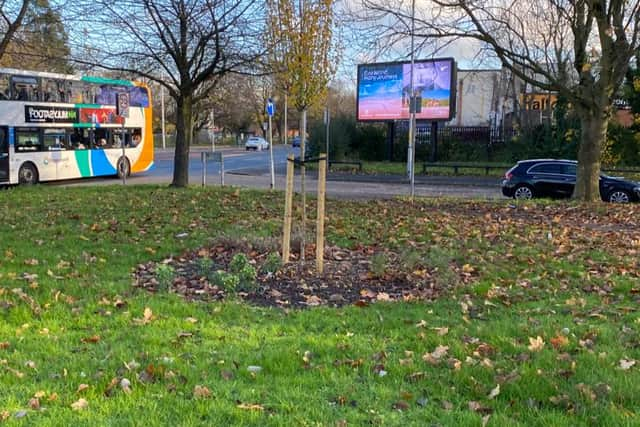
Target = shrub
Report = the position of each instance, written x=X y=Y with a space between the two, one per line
x=227 y=281
x=245 y=272
x=272 y=263
x=204 y=265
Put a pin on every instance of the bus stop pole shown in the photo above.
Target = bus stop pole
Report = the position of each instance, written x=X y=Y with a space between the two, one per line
x=124 y=157
x=221 y=170
x=204 y=168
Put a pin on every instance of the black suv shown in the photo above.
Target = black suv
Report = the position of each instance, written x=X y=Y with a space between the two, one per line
x=556 y=178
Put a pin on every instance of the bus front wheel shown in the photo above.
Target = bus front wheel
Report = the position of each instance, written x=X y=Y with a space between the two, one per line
x=28 y=174
x=123 y=167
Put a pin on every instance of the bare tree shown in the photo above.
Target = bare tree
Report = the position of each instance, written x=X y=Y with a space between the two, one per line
x=578 y=48
x=185 y=45
x=12 y=14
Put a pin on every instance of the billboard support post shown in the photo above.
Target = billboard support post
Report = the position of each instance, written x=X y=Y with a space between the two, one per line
x=412 y=106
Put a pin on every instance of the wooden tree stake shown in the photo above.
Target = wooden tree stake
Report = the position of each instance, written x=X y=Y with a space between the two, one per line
x=288 y=202
x=322 y=187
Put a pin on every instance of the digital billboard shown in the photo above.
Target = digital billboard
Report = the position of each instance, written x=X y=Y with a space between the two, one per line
x=384 y=90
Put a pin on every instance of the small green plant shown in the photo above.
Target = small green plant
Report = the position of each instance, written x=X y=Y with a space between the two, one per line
x=227 y=281
x=246 y=272
x=378 y=264
x=238 y=262
x=440 y=261
x=204 y=265
x=272 y=263
x=411 y=259
x=165 y=275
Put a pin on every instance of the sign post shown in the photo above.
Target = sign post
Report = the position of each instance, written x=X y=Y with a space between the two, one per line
x=327 y=123
x=122 y=110
x=271 y=109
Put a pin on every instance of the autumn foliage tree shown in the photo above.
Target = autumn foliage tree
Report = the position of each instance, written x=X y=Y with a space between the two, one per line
x=303 y=59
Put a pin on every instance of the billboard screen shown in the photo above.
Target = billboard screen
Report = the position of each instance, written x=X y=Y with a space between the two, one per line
x=384 y=90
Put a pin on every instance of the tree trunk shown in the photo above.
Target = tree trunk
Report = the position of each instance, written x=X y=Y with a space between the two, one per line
x=594 y=131
x=184 y=135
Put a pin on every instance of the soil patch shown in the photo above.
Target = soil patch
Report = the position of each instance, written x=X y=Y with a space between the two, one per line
x=359 y=277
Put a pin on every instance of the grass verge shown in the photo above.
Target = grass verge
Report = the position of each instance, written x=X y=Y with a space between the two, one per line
x=542 y=327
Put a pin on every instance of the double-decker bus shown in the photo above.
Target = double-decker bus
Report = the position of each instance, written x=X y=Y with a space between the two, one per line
x=55 y=126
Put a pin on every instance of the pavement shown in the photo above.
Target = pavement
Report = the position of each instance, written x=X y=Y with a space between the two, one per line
x=339 y=184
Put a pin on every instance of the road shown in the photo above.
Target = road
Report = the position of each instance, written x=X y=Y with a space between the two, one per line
x=251 y=169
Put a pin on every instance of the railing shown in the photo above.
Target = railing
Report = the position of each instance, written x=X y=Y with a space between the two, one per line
x=335 y=162
x=456 y=166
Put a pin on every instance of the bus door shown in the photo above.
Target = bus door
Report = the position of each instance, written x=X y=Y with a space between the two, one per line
x=4 y=155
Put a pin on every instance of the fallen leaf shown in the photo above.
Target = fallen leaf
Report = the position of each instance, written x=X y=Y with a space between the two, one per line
x=436 y=356
x=201 y=392
x=383 y=296
x=536 y=344
x=626 y=364
x=125 y=385
x=400 y=405
x=494 y=392
x=79 y=405
x=91 y=340
x=559 y=341
x=82 y=387
x=313 y=300
x=250 y=406
x=586 y=391
x=34 y=403
x=441 y=331
x=467 y=269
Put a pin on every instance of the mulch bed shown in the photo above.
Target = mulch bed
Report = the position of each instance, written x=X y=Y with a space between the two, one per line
x=347 y=278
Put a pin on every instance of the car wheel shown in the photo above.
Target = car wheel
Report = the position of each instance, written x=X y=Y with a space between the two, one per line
x=523 y=192
x=28 y=174
x=618 y=196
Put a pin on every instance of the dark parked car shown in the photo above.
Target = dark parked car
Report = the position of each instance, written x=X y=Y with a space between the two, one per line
x=557 y=178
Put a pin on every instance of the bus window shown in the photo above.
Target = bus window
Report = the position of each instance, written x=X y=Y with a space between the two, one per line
x=80 y=139
x=88 y=93
x=54 y=139
x=24 y=88
x=136 y=137
x=5 y=92
x=74 y=91
x=101 y=137
x=53 y=90
x=27 y=140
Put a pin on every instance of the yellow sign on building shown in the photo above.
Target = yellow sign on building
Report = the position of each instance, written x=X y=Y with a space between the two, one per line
x=538 y=101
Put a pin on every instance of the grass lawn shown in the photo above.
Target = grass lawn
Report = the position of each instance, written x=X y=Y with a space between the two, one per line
x=539 y=327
